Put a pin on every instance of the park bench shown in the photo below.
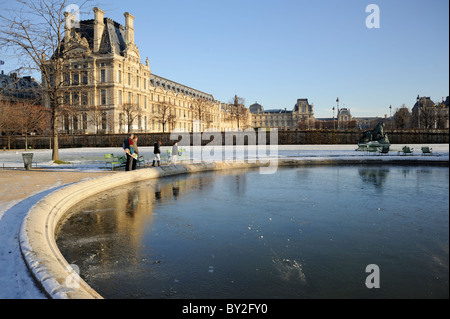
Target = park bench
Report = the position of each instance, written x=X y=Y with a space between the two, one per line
x=140 y=160
x=112 y=160
x=384 y=150
x=406 y=150
x=372 y=149
x=427 y=150
x=122 y=160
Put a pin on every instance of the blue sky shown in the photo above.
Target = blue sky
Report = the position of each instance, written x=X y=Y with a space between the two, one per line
x=275 y=52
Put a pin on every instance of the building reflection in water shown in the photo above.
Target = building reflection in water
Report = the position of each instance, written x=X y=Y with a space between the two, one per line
x=375 y=176
x=118 y=218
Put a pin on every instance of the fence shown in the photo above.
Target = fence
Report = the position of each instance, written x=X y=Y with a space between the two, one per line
x=284 y=138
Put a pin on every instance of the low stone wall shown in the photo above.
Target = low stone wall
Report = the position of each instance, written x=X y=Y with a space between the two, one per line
x=37 y=237
x=313 y=137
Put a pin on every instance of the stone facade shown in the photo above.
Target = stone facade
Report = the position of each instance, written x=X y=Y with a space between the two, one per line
x=14 y=88
x=301 y=116
x=107 y=89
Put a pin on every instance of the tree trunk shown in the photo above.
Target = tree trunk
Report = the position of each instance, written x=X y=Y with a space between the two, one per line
x=55 y=150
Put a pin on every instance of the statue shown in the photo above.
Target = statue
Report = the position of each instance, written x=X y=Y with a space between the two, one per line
x=375 y=136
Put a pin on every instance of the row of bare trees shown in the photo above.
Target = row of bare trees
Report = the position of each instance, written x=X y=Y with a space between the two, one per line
x=33 y=32
x=201 y=110
x=22 y=117
x=426 y=117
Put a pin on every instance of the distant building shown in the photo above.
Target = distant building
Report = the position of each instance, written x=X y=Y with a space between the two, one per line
x=428 y=115
x=16 y=88
x=367 y=123
x=105 y=81
x=301 y=116
x=344 y=115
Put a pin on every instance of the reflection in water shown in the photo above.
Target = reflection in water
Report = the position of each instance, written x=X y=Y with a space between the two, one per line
x=375 y=176
x=300 y=233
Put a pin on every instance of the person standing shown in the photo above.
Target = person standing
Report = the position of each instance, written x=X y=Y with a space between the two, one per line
x=174 y=153
x=136 y=152
x=128 y=146
x=157 y=152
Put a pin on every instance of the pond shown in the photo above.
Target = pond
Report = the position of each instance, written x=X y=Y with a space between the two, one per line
x=303 y=232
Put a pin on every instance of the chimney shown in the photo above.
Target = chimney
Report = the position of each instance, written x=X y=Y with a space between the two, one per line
x=99 y=26
x=67 y=26
x=129 y=28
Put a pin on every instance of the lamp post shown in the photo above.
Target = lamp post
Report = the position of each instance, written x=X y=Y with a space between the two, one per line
x=390 y=116
x=418 y=110
x=337 y=102
x=334 y=124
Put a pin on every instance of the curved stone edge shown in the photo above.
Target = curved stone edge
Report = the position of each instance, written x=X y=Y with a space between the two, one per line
x=37 y=239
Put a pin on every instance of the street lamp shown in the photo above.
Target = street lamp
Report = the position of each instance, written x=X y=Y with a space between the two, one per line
x=337 y=101
x=334 y=124
x=390 y=116
x=418 y=110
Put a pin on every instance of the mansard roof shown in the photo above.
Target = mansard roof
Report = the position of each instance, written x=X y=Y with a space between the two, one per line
x=169 y=85
x=302 y=102
x=112 y=40
x=19 y=87
x=255 y=108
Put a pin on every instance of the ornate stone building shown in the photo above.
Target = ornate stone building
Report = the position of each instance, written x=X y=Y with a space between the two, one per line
x=108 y=89
x=16 y=88
x=301 y=116
x=428 y=115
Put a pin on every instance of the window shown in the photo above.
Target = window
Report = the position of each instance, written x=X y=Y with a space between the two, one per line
x=85 y=77
x=129 y=78
x=104 y=121
x=84 y=120
x=103 y=97
x=76 y=79
x=66 y=100
x=120 y=97
x=103 y=76
x=84 y=99
x=119 y=76
x=75 y=99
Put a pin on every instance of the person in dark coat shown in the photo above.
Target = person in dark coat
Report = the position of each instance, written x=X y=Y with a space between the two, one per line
x=128 y=146
x=136 y=152
x=157 y=152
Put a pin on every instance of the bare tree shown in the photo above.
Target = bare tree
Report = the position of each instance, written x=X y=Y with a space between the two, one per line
x=166 y=115
x=402 y=117
x=8 y=123
x=201 y=108
x=95 y=114
x=35 y=34
x=130 y=112
x=238 y=112
x=29 y=118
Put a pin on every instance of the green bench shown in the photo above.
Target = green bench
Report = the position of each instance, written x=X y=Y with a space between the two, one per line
x=406 y=150
x=427 y=150
x=112 y=160
x=384 y=150
x=372 y=149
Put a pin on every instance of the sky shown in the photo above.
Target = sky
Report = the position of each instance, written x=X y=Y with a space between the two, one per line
x=275 y=52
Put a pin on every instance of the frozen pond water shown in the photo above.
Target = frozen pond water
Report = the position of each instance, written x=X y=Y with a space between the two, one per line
x=304 y=232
